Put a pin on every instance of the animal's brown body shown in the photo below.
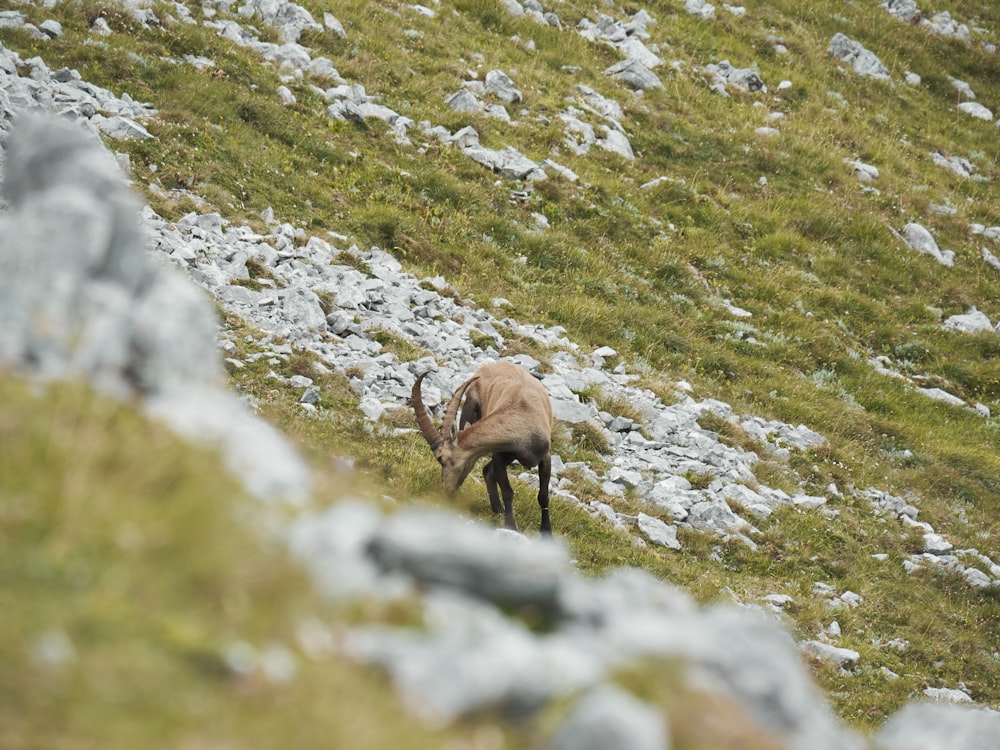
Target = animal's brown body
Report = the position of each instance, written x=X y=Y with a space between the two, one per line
x=507 y=416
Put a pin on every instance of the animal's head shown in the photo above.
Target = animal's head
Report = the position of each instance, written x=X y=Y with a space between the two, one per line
x=455 y=463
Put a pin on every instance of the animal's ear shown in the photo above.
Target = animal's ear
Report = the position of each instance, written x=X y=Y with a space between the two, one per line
x=453 y=433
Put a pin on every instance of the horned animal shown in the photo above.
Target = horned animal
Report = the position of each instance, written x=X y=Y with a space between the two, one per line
x=507 y=416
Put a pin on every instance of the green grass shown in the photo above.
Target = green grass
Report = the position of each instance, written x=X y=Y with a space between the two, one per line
x=808 y=253
x=131 y=568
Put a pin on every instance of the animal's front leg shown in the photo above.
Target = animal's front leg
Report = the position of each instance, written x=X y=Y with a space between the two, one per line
x=501 y=461
x=491 y=487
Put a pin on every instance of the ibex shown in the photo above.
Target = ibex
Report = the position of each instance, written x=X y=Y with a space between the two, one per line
x=507 y=416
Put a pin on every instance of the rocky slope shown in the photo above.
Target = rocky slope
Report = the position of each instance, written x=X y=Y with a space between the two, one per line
x=130 y=325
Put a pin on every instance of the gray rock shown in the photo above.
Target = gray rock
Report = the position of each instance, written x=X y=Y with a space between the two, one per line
x=124 y=129
x=566 y=405
x=744 y=79
x=291 y=19
x=957 y=164
x=715 y=517
x=606 y=30
x=657 y=532
x=558 y=169
x=752 y=501
x=864 y=172
x=332 y=544
x=580 y=136
x=100 y=27
x=616 y=142
x=79 y=297
x=12 y=19
x=904 y=10
x=607 y=717
x=918 y=238
x=602 y=106
x=501 y=86
x=464 y=100
x=253 y=451
x=598 y=625
x=991 y=233
x=444 y=550
x=73 y=221
x=634 y=49
x=334 y=26
x=635 y=75
x=620 y=424
x=863 y=62
x=51 y=28
x=508 y=163
x=976 y=110
x=931 y=726
x=514 y=8
x=937 y=544
x=977 y=578
x=700 y=8
x=778 y=602
x=844 y=658
x=943 y=24
x=759 y=667
x=472 y=659
x=962 y=87
x=972 y=321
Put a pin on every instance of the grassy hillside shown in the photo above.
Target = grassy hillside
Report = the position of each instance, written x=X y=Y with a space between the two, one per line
x=139 y=613
x=777 y=224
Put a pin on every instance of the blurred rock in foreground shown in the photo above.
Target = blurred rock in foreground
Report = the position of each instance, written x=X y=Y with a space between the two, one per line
x=81 y=298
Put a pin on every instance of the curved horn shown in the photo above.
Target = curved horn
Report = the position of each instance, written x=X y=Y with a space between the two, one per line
x=452 y=411
x=427 y=429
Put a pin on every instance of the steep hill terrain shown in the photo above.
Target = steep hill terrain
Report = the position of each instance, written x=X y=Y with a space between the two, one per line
x=749 y=250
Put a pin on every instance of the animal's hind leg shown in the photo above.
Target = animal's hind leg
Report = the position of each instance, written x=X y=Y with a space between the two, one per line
x=491 y=487
x=544 y=474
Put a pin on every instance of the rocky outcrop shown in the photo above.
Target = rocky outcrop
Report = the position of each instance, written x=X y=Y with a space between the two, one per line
x=595 y=626
x=81 y=298
x=134 y=326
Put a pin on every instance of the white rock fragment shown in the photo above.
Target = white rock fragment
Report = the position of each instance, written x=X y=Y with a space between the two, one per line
x=939 y=394
x=990 y=259
x=864 y=172
x=862 y=61
x=904 y=10
x=778 y=602
x=700 y=8
x=921 y=240
x=949 y=695
x=936 y=544
x=725 y=74
x=609 y=717
x=635 y=75
x=976 y=110
x=973 y=321
x=943 y=24
x=334 y=26
x=957 y=164
x=658 y=532
x=963 y=88
x=844 y=658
